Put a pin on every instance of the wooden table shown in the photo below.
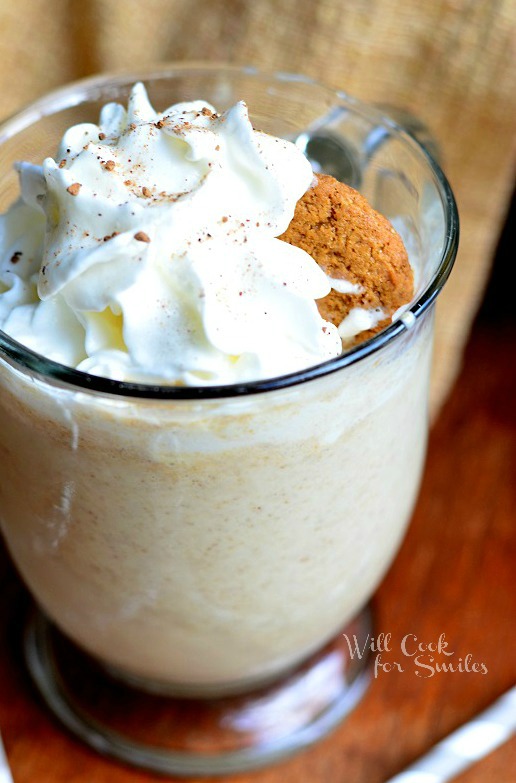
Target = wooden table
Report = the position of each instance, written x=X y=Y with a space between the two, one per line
x=455 y=575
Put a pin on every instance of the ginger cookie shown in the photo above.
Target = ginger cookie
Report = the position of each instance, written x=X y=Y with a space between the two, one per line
x=356 y=247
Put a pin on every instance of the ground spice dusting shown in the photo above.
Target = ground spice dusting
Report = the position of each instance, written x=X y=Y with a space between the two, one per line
x=141 y=236
x=74 y=189
x=109 y=165
x=146 y=192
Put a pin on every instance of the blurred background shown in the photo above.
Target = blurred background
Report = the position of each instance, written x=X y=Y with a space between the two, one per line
x=449 y=62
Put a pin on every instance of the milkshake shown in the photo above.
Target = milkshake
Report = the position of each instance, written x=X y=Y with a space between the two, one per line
x=219 y=481
x=138 y=539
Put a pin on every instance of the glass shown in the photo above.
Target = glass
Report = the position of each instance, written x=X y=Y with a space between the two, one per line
x=200 y=554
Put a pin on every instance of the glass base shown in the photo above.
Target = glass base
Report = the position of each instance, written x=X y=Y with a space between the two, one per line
x=190 y=737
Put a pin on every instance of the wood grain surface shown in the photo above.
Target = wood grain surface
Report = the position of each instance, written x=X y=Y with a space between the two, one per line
x=455 y=575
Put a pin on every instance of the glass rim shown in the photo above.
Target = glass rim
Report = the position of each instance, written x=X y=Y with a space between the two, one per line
x=75 y=93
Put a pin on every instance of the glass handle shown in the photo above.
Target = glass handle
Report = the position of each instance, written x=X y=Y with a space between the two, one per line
x=329 y=152
x=416 y=127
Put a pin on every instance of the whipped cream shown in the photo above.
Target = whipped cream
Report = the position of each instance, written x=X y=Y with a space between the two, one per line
x=360 y=319
x=148 y=251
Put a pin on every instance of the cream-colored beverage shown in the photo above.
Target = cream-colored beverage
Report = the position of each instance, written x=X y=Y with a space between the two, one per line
x=198 y=521
x=209 y=542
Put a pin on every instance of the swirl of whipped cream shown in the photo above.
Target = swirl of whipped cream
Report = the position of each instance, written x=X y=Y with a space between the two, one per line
x=147 y=250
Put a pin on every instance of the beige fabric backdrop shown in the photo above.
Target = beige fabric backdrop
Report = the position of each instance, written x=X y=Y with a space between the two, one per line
x=449 y=61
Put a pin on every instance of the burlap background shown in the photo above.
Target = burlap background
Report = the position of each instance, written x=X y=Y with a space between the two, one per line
x=448 y=61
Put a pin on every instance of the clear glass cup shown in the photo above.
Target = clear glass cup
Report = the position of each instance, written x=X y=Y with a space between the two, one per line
x=201 y=552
